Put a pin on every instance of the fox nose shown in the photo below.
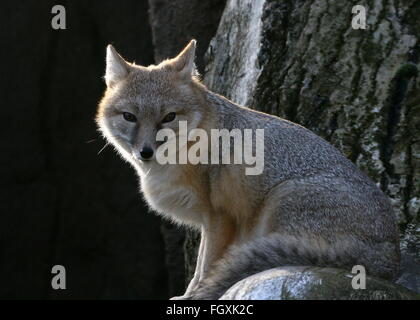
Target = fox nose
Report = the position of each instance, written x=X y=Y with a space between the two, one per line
x=146 y=153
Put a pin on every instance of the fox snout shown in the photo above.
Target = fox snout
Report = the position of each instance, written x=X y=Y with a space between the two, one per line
x=143 y=146
x=145 y=153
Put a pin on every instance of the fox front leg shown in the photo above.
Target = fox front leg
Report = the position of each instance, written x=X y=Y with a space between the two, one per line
x=216 y=239
x=199 y=265
x=198 y=270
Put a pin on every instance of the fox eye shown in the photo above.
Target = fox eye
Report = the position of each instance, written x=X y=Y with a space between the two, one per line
x=169 y=117
x=129 y=117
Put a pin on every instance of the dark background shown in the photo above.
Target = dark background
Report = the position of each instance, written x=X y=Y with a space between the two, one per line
x=63 y=202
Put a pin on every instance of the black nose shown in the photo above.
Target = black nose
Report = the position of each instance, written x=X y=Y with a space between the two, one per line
x=146 y=153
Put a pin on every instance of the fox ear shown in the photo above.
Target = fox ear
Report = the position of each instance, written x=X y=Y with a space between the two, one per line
x=116 y=67
x=184 y=62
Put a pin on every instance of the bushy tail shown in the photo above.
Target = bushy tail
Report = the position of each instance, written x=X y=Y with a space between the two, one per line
x=284 y=250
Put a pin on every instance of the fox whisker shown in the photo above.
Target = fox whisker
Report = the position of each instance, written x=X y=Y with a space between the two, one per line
x=103 y=148
x=147 y=173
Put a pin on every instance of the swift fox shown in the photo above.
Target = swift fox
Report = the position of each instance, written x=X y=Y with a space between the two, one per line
x=310 y=205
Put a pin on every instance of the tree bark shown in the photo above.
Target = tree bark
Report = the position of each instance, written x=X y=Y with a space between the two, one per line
x=175 y=23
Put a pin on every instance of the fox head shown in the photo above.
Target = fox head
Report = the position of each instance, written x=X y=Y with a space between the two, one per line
x=139 y=101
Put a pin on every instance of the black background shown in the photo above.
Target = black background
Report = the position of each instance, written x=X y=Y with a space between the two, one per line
x=62 y=203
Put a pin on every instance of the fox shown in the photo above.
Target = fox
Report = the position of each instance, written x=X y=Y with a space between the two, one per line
x=310 y=205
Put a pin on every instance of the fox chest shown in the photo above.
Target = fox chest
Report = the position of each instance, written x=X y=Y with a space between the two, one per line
x=176 y=194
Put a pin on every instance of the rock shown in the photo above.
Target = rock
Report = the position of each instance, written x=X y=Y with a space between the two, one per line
x=312 y=283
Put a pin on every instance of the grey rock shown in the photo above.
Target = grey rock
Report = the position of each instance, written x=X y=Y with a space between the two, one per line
x=312 y=283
